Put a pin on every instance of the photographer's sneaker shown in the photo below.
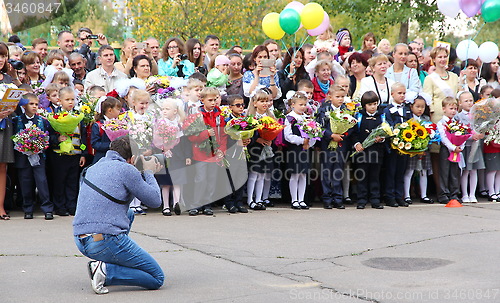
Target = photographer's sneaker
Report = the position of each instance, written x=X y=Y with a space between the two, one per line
x=97 y=276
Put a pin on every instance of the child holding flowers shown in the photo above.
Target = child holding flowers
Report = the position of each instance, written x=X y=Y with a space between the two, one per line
x=369 y=158
x=168 y=137
x=30 y=140
x=449 y=172
x=468 y=181
x=66 y=162
x=260 y=167
x=420 y=163
x=333 y=160
x=107 y=108
x=395 y=163
x=298 y=154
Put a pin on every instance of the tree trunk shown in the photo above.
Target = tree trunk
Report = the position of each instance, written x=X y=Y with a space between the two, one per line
x=403 y=32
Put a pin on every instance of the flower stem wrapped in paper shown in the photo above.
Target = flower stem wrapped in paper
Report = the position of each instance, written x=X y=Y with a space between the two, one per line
x=242 y=129
x=310 y=129
x=268 y=130
x=384 y=130
x=410 y=138
x=115 y=128
x=483 y=116
x=65 y=124
x=340 y=122
x=457 y=133
x=31 y=141
x=166 y=135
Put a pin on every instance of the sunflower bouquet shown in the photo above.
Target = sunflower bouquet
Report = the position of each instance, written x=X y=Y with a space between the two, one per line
x=115 y=128
x=384 y=130
x=410 y=138
x=340 y=122
x=65 y=123
x=268 y=130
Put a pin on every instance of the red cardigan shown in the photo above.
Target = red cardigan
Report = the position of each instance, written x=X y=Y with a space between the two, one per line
x=217 y=123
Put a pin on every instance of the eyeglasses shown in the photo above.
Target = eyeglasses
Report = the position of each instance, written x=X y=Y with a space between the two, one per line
x=172 y=47
x=239 y=105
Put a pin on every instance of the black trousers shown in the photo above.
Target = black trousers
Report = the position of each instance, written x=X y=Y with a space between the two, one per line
x=395 y=165
x=32 y=176
x=65 y=176
x=369 y=185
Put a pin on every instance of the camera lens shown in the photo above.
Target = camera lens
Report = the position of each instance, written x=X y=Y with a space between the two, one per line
x=184 y=57
x=16 y=64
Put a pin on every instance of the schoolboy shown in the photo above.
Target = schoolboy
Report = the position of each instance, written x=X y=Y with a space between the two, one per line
x=52 y=92
x=193 y=93
x=368 y=160
x=66 y=166
x=32 y=173
x=449 y=172
x=207 y=164
x=332 y=161
x=395 y=163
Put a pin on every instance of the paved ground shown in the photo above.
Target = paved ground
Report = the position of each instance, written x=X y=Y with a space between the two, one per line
x=424 y=253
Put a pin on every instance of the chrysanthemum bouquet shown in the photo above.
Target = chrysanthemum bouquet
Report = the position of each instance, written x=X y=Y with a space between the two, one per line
x=158 y=81
x=241 y=129
x=31 y=141
x=410 y=138
x=340 y=122
x=115 y=128
x=384 y=130
x=65 y=123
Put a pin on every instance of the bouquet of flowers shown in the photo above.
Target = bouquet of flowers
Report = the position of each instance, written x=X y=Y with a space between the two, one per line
x=353 y=106
x=431 y=128
x=384 y=130
x=31 y=141
x=142 y=133
x=484 y=115
x=457 y=133
x=158 y=81
x=340 y=122
x=410 y=138
x=310 y=129
x=115 y=128
x=165 y=136
x=167 y=92
x=493 y=135
x=279 y=141
x=87 y=107
x=268 y=130
x=241 y=129
x=193 y=126
x=65 y=123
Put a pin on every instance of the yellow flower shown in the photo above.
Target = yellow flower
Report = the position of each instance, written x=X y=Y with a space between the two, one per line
x=85 y=109
x=408 y=146
x=421 y=132
x=414 y=124
x=408 y=135
x=387 y=128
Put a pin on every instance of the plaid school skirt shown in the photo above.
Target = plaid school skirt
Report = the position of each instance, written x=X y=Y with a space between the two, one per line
x=425 y=162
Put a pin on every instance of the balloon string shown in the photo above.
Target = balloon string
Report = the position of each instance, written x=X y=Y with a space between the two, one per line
x=479 y=30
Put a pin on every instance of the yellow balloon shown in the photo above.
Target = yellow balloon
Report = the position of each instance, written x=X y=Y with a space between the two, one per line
x=271 y=26
x=312 y=15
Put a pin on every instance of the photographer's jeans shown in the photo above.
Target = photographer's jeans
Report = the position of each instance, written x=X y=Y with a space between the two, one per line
x=126 y=262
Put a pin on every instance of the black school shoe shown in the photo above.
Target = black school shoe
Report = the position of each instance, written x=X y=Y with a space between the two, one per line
x=49 y=216
x=378 y=206
x=360 y=207
x=233 y=209
x=28 y=216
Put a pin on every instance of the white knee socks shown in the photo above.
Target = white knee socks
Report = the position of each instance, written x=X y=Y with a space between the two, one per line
x=297 y=187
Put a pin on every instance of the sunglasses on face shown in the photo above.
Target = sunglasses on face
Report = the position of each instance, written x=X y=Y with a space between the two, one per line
x=239 y=105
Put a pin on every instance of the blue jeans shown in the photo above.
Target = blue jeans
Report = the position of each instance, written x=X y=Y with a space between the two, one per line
x=126 y=262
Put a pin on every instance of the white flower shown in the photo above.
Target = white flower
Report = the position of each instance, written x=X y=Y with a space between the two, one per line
x=408 y=146
x=404 y=125
x=396 y=131
x=396 y=141
x=401 y=145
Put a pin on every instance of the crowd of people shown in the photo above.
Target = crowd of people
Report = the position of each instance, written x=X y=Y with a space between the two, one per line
x=392 y=83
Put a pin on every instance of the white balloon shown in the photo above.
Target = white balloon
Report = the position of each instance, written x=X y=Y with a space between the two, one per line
x=467 y=49
x=488 y=51
x=449 y=8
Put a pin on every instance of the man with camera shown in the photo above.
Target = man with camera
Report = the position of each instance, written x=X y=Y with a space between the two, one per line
x=103 y=219
x=66 y=43
x=86 y=36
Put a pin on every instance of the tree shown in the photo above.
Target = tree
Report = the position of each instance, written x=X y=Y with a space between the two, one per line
x=235 y=21
x=376 y=15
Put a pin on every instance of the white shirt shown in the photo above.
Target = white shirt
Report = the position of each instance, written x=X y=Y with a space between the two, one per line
x=368 y=84
x=101 y=78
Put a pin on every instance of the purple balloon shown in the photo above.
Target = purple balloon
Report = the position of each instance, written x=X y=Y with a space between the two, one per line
x=470 y=7
x=321 y=28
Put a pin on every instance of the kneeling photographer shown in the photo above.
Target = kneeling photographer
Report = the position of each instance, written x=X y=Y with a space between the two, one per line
x=103 y=219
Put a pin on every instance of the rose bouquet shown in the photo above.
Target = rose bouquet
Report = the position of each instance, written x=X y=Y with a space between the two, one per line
x=310 y=129
x=340 y=122
x=384 y=130
x=241 y=129
x=142 y=133
x=165 y=136
x=65 y=124
x=193 y=126
x=268 y=130
x=410 y=138
x=115 y=128
x=484 y=115
x=31 y=141
x=457 y=133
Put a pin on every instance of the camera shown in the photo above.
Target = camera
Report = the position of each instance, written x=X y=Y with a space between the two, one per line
x=140 y=165
x=92 y=37
x=202 y=69
x=16 y=64
x=184 y=57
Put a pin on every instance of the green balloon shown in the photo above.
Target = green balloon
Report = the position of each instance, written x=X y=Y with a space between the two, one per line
x=490 y=10
x=289 y=21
